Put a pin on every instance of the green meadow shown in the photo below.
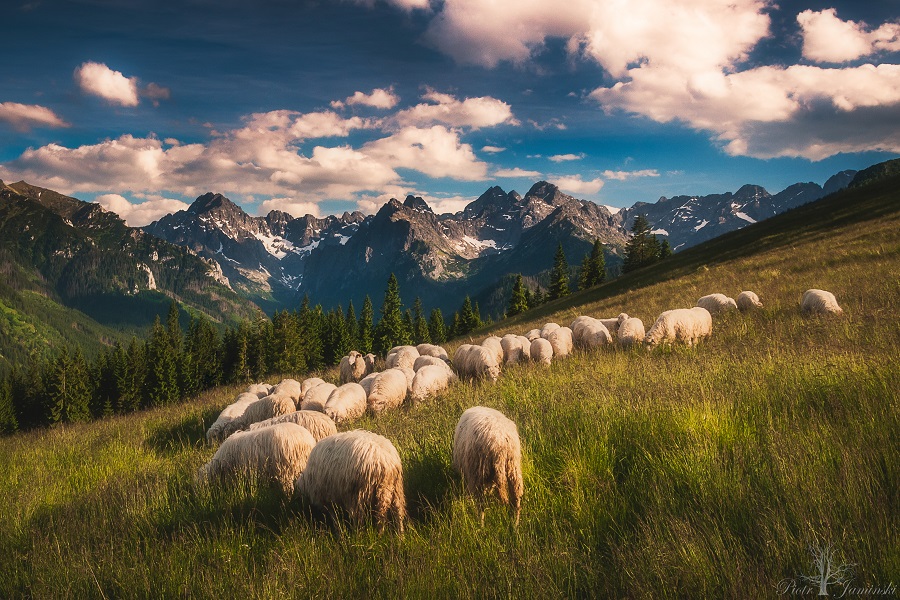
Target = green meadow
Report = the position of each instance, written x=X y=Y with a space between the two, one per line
x=693 y=473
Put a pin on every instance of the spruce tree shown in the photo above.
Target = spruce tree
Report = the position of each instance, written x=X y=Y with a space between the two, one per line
x=437 y=329
x=559 y=275
x=68 y=390
x=584 y=273
x=287 y=350
x=538 y=296
x=312 y=329
x=593 y=267
x=467 y=320
x=365 y=332
x=352 y=327
x=421 y=333
x=336 y=341
x=642 y=249
x=665 y=250
x=390 y=330
x=8 y=421
x=518 y=302
x=161 y=380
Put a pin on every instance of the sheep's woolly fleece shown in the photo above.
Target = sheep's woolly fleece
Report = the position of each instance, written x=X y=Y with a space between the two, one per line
x=318 y=424
x=819 y=302
x=685 y=325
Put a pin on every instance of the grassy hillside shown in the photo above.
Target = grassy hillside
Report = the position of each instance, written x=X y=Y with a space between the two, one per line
x=703 y=473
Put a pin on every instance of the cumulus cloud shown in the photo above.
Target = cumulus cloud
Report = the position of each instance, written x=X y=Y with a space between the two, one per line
x=371 y=203
x=625 y=175
x=25 y=116
x=435 y=151
x=99 y=80
x=379 y=98
x=492 y=149
x=517 y=172
x=140 y=213
x=826 y=38
x=558 y=158
x=472 y=113
x=574 y=184
x=292 y=206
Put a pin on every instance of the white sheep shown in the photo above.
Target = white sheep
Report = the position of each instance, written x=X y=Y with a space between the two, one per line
x=541 y=351
x=290 y=387
x=318 y=424
x=369 y=359
x=717 y=303
x=401 y=356
x=631 y=332
x=216 y=431
x=426 y=360
x=488 y=455
x=366 y=382
x=612 y=324
x=309 y=384
x=316 y=397
x=429 y=381
x=273 y=405
x=478 y=362
x=260 y=389
x=533 y=334
x=561 y=341
x=388 y=390
x=686 y=325
x=277 y=454
x=513 y=349
x=819 y=302
x=590 y=333
x=495 y=347
x=410 y=375
x=352 y=367
x=459 y=358
x=432 y=350
x=747 y=300
x=359 y=471
x=346 y=403
x=547 y=328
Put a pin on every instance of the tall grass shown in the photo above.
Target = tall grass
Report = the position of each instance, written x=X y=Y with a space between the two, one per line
x=674 y=473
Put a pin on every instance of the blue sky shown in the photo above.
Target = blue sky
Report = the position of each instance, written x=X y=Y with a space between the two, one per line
x=322 y=107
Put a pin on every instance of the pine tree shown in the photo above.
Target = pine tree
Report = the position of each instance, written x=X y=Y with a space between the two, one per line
x=365 y=332
x=29 y=393
x=129 y=373
x=390 y=330
x=559 y=275
x=642 y=249
x=529 y=298
x=538 y=297
x=68 y=390
x=161 y=380
x=467 y=319
x=518 y=303
x=437 y=329
x=665 y=250
x=455 y=326
x=336 y=341
x=352 y=327
x=287 y=349
x=173 y=328
x=260 y=348
x=593 y=267
x=312 y=326
x=105 y=394
x=421 y=333
x=8 y=421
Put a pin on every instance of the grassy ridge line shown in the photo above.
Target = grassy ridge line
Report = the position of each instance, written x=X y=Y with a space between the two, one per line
x=676 y=473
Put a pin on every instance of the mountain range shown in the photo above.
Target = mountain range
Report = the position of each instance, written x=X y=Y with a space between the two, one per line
x=275 y=259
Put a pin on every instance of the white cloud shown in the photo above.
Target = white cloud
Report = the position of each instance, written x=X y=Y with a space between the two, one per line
x=141 y=213
x=492 y=149
x=436 y=151
x=25 y=116
x=517 y=173
x=574 y=184
x=379 y=98
x=99 y=80
x=156 y=93
x=558 y=158
x=473 y=113
x=295 y=208
x=826 y=38
x=625 y=175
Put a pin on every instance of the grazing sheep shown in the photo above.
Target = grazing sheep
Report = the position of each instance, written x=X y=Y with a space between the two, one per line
x=359 y=471
x=352 y=367
x=495 y=347
x=290 y=387
x=747 y=300
x=819 y=302
x=277 y=454
x=432 y=350
x=316 y=397
x=717 y=303
x=513 y=348
x=369 y=359
x=533 y=334
x=541 y=351
x=547 y=328
x=424 y=361
x=402 y=356
x=366 y=382
x=478 y=362
x=260 y=389
x=216 y=431
x=612 y=324
x=346 y=403
x=590 y=333
x=410 y=375
x=488 y=455
x=561 y=341
x=429 y=381
x=686 y=325
x=631 y=332
x=274 y=405
x=318 y=424
x=388 y=390
x=309 y=384
x=459 y=357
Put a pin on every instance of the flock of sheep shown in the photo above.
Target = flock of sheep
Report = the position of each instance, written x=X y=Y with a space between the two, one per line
x=287 y=434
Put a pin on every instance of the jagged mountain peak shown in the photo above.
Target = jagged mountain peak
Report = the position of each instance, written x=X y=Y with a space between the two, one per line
x=210 y=201
x=416 y=203
x=544 y=190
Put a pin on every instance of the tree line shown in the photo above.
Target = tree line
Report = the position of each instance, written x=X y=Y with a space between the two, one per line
x=173 y=364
